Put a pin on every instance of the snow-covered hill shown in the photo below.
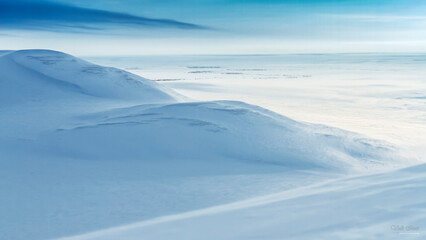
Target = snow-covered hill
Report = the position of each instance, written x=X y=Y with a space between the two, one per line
x=36 y=75
x=207 y=131
x=86 y=147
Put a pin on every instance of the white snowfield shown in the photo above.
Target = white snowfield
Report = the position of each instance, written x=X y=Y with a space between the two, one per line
x=85 y=148
x=381 y=206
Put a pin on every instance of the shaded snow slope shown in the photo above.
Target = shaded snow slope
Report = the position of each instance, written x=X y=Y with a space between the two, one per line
x=206 y=131
x=84 y=147
x=382 y=206
x=35 y=75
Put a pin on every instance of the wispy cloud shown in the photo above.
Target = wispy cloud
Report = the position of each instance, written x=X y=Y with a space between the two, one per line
x=50 y=16
x=376 y=18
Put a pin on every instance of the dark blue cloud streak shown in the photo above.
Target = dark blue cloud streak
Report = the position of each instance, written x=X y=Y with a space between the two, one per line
x=45 y=15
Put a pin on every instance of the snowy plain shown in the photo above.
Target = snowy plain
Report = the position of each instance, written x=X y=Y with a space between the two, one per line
x=379 y=95
x=92 y=152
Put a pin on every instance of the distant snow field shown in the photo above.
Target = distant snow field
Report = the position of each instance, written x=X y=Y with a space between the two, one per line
x=379 y=95
x=93 y=152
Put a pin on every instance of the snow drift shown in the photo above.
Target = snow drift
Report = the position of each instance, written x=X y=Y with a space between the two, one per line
x=95 y=147
x=380 y=206
x=35 y=75
x=208 y=131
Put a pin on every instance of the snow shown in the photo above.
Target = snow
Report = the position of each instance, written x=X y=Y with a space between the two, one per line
x=85 y=147
x=35 y=75
x=381 y=206
x=378 y=95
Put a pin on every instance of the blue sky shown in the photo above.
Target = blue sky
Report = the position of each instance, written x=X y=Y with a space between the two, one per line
x=131 y=27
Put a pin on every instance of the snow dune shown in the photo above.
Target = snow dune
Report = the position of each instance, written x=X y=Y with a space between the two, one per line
x=207 y=131
x=35 y=75
x=382 y=206
x=152 y=124
x=86 y=147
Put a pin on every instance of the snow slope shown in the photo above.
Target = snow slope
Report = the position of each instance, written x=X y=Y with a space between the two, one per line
x=35 y=75
x=382 y=206
x=86 y=147
x=217 y=130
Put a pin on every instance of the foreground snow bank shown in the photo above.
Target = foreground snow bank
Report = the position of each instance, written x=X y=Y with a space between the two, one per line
x=381 y=206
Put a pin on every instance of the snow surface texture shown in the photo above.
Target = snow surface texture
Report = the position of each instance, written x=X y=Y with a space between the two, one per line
x=29 y=75
x=382 y=96
x=382 y=206
x=85 y=147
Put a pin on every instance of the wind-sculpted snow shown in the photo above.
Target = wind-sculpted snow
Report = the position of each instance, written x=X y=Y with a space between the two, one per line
x=35 y=75
x=222 y=129
x=381 y=206
x=85 y=147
